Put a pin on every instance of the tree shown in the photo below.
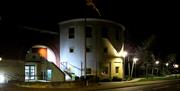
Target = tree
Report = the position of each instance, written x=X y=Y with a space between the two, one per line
x=146 y=55
x=171 y=60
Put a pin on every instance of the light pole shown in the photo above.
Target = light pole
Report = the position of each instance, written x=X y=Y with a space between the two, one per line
x=166 y=68
x=124 y=56
x=91 y=4
x=176 y=66
x=157 y=62
x=134 y=63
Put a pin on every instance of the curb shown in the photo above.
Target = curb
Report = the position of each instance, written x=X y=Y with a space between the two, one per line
x=131 y=85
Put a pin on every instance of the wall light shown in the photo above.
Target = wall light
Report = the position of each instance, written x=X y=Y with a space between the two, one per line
x=2 y=78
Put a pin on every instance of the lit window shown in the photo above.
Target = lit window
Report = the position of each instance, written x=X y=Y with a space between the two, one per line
x=29 y=72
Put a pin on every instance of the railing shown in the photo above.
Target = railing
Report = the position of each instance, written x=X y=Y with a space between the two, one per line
x=64 y=67
x=14 y=77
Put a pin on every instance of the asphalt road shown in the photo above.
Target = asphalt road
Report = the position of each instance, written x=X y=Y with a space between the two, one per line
x=168 y=86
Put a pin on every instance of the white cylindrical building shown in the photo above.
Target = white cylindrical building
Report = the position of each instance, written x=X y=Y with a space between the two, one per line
x=104 y=45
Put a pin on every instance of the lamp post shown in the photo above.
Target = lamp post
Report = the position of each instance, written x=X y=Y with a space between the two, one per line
x=134 y=63
x=176 y=66
x=91 y=4
x=124 y=56
x=166 y=68
x=157 y=62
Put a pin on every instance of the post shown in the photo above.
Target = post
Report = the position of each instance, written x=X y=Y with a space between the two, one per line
x=124 y=60
x=85 y=52
x=81 y=68
x=132 y=70
x=124 y=68
x=135 y=70
x=157 y=71
x=129 y=70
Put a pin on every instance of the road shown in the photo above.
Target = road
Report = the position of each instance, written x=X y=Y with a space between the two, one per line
x=166 y=86
x=169 y=86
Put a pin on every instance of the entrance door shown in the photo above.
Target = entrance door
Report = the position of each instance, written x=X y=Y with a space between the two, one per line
x=49 y=74
x=29 y=72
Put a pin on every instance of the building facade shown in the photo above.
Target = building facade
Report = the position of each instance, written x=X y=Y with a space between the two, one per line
x=94 y=44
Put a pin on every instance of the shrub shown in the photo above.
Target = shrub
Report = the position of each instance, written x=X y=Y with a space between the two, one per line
x=115 y=78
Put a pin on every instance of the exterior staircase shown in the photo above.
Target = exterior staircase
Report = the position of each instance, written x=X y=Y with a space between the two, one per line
x=69 y=75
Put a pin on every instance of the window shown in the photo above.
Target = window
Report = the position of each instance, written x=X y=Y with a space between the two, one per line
x=117 y=69
x=71 y=33
x=105 y=50
x=104 y=32
x=29 y=72
x=71 y=50
x=88 y=71
x=88 y=31
x=88 y=49
x=105 y=70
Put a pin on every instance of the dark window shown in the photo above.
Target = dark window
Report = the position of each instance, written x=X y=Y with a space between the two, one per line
x=35 y=50
x=105 y=70
x=71 y=33
x=88 y=71
x=104 y=32
x=71 y=50
x=105 y=50
x=117 y=69
x=88 y=31
x=88 y=49
x=117 y=35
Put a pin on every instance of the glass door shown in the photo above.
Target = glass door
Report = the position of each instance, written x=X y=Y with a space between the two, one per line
x=29 y=72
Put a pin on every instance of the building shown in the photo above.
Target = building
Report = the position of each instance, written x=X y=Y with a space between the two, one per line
x=42 y=55
x=29 y=54
x=35 y=67
x=94 y=44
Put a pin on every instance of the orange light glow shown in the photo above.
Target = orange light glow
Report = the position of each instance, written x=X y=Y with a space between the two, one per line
x=43 y=52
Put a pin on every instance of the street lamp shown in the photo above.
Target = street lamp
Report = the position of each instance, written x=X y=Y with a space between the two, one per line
x=157 y=62
x=124 y=54
x=135 y=60
x=167 y=64
x=134 y=63
x=176 y=66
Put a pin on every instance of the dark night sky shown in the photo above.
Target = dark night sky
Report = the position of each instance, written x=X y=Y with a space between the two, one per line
x=141 y=18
